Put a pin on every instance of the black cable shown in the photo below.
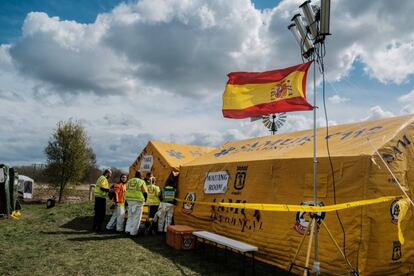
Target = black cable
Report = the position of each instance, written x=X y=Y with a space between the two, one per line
x=322 y=70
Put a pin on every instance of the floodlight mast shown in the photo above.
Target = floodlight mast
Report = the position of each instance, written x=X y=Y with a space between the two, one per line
x=318 y=28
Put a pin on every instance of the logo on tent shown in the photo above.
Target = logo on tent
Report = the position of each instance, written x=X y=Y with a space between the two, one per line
x=303 y=218
x=224 y=152
x=396 y=250
x=195 y=153
x=175 y=154
x=394 y=210
x=188 y=206
x=240 y=178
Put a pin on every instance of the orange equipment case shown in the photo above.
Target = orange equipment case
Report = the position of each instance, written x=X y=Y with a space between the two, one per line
x=181 y=237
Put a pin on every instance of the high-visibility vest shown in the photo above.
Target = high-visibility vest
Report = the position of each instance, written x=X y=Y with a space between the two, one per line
x=168 y=194
x=119 y=190
x=134 y=190
x=102 y=182
x=153 y=194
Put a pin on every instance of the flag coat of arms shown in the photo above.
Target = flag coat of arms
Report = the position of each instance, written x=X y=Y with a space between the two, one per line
x=253 y=94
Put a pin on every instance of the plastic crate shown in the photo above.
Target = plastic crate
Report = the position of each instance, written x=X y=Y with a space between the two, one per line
x=181 y=237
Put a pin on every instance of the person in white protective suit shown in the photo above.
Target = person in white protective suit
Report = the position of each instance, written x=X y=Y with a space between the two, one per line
x=118 y=197
x=165 y=211
x=136 y=195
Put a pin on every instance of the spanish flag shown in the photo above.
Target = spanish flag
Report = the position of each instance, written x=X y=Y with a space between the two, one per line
x=253 y=94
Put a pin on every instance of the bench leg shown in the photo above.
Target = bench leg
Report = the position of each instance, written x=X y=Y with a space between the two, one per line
x=204 y=247
x=253 y=264
x=244 y=262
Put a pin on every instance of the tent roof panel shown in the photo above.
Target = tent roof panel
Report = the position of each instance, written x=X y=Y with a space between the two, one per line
x=178 y=154
x=354 y=139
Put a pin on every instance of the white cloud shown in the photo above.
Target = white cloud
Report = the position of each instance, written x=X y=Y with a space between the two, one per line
x=187 y=47
x=407 y=98
x=157 y=69
x=408 y=102
x=376 y=112
x=376 y=33
x=296 y=122
x=336 y=99
x=393 y=64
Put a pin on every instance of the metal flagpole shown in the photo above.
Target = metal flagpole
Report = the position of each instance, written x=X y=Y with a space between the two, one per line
x=315 y=164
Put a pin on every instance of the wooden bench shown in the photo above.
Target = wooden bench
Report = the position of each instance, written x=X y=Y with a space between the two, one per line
x=232 y=244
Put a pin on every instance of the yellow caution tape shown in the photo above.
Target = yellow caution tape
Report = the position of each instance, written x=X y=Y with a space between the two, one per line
x=294 y=208
x=403 y=204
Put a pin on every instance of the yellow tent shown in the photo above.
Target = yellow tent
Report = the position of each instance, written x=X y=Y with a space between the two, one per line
x=279 y=169
x=164 y=159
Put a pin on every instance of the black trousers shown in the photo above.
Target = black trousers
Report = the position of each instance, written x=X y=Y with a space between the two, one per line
x=152 y=210
x=100 y=212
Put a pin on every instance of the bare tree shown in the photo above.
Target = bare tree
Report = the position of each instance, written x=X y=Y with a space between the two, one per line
x=68 y=155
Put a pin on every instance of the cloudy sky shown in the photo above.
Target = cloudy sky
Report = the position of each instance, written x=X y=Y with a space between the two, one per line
x=132 y=71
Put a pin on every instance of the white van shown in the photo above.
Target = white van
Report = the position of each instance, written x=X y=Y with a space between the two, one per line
x=25 y=187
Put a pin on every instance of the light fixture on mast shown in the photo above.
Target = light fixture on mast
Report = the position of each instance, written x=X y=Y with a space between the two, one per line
x=317 y=28
x=299 y=31
x=325 y=14
x=310 y=18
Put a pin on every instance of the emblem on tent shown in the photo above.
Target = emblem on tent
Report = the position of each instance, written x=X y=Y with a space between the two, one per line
x=188 y=206
x=175 y=154
x=394 y=210
x=396 y=250
x=224 y=152
x=240 y=178
x=302 y=221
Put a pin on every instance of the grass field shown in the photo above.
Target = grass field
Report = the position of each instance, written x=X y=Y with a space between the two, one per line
x=57 y=241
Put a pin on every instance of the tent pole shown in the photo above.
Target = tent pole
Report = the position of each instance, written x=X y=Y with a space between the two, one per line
x=308 y=252
x=307 y=232
x=315 y=163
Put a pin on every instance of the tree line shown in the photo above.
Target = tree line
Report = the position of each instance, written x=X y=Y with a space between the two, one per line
x=69 y=159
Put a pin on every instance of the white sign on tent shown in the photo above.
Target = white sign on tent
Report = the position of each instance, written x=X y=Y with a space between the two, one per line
x=216 y=182
x=146 y=163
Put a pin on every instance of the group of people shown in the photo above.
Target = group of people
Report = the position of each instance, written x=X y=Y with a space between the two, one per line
x=129 y=197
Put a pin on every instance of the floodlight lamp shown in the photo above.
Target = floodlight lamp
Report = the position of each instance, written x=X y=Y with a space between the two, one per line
x=294 y=30
x=307 y=44
x=325 y=17
x=310 y=18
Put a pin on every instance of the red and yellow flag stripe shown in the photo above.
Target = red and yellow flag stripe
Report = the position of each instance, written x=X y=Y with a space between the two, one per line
x=252 y=94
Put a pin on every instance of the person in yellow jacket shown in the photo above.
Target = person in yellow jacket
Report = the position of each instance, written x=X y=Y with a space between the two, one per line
x=165 y=212
x=136 y=194
x=101 y=193
x=117 y=218
x=153 y=202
